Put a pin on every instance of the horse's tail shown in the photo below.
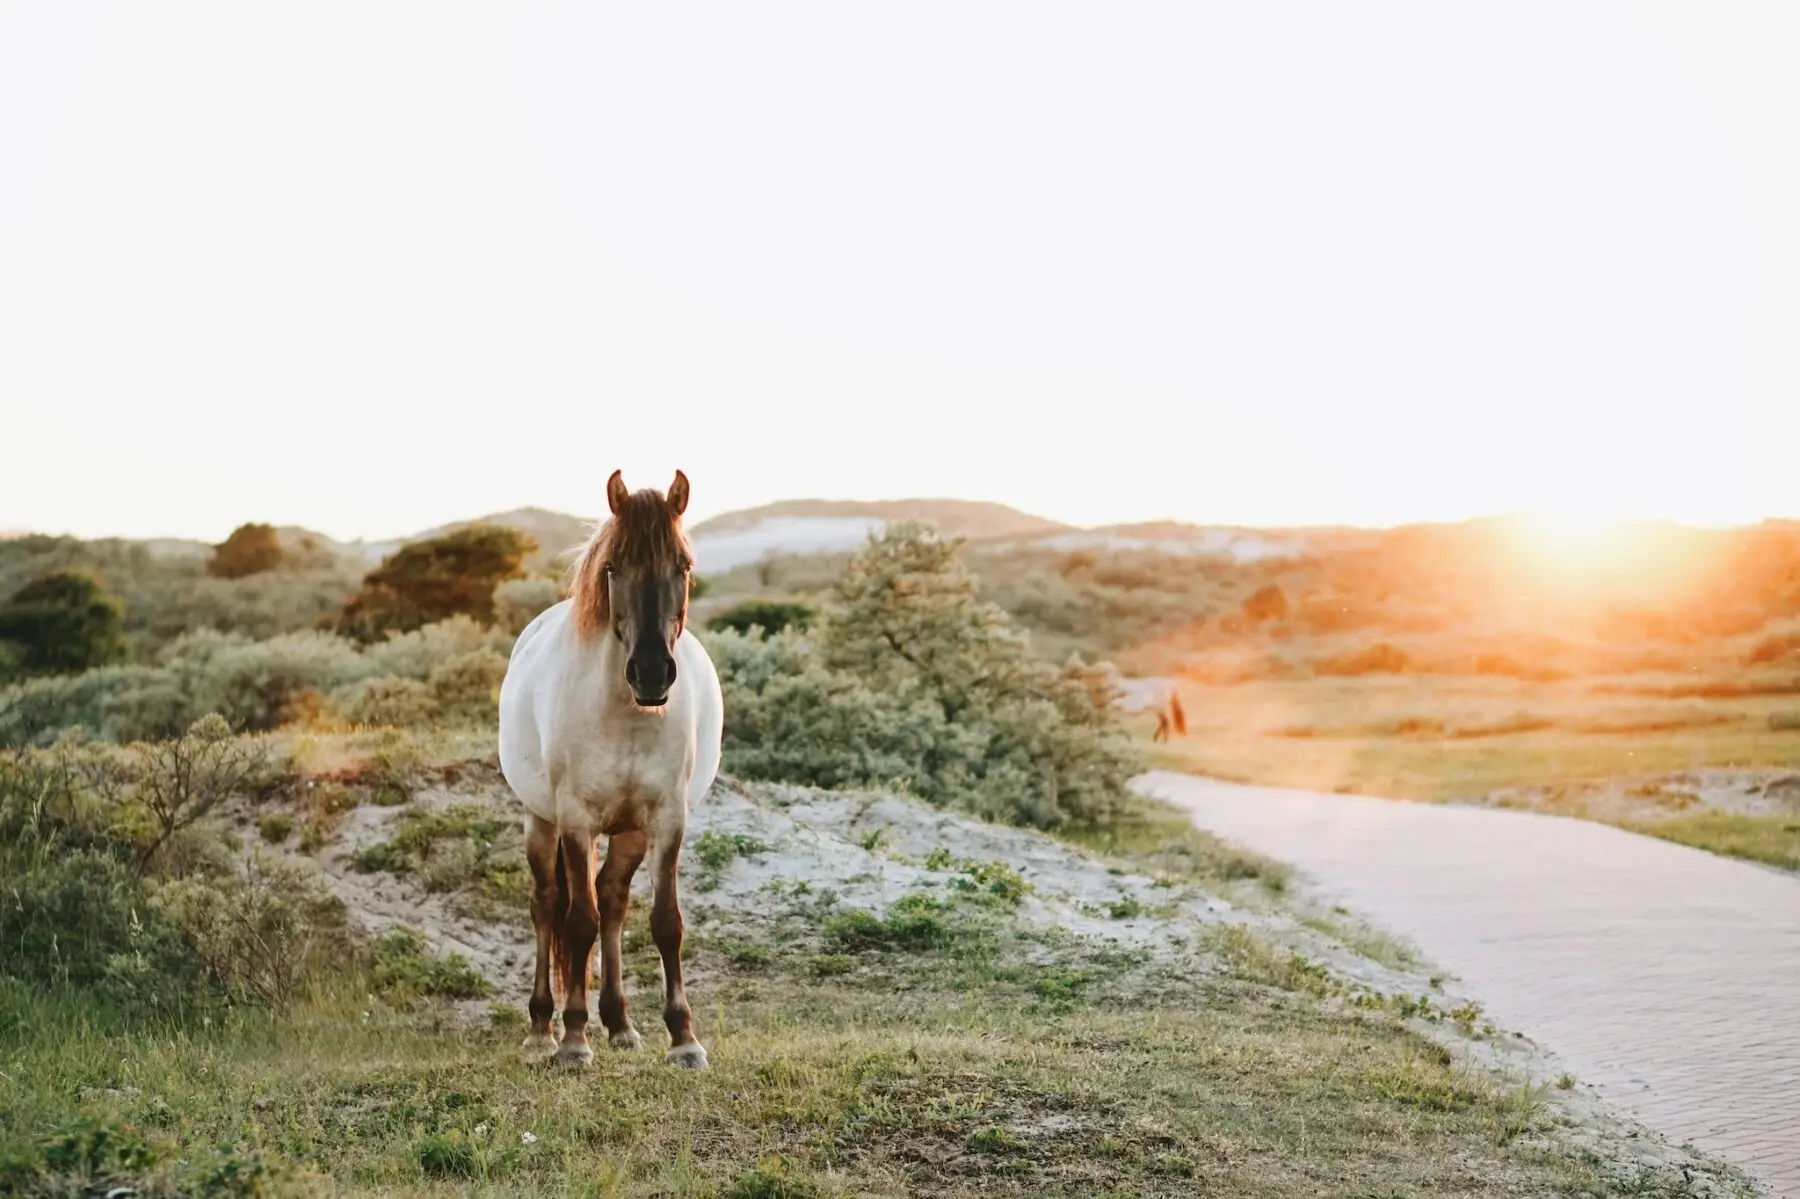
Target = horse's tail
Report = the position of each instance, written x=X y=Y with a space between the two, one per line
x=574 y=892
x=1175 y=711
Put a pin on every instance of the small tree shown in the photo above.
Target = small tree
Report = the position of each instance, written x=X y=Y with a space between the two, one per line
x=955 y=693
x=251 y=549
x=433 y=580
x=180 y=781
x=771 y=616
x=62 y=622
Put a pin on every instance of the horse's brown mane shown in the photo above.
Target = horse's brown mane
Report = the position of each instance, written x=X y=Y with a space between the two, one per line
x=644 y=533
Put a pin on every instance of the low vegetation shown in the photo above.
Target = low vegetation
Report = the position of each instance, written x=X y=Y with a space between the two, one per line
x=218 y=748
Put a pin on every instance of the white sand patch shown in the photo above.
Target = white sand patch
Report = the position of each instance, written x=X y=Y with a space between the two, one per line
x=776 y=536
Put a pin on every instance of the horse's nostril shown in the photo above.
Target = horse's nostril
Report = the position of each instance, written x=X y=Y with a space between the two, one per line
x=631 y=672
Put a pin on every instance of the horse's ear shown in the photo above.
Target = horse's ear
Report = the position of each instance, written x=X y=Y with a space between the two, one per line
x=616 y=495
x=678 y=494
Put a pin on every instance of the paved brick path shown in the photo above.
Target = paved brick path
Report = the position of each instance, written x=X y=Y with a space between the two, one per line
x=1667 y=977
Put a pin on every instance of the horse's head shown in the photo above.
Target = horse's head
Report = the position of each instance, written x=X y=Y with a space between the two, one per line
x=633 y=584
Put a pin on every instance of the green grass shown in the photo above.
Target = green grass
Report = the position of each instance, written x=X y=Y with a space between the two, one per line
x=1772 y=840
x=940 y=1048
x=471 y=850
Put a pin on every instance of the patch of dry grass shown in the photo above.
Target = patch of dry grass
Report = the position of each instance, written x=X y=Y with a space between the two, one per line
x=1435 y=738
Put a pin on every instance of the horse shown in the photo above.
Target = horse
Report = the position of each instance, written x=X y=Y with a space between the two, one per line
x=610 y=725
x=1160 y=696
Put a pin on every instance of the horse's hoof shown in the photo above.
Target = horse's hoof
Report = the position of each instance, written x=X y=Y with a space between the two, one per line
x=538 y=1044
x=689 y=1057
x=573 y=1055
x=626 y=1039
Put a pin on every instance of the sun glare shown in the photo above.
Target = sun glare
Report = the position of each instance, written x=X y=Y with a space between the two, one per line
x=1568 y=532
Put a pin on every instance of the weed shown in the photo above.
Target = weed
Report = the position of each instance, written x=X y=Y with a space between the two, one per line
x=275 y=827
x=403 y=967
x=1127 y=907
x=992 y=1139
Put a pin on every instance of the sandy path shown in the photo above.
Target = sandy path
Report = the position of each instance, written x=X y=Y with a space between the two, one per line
x=1667 y=977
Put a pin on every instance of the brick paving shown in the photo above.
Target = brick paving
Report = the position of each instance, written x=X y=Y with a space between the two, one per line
x=1667 y=977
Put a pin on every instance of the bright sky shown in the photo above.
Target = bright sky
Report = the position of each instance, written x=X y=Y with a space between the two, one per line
x=370 y=267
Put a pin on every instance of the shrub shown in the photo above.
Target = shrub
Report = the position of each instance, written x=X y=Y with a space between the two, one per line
x=259 y=933
x=771 y=616
x=121 y=703
x=415 y=654
x=911 y=681
x=252 y=683
x=251 y=549
x=61 y=622
x=517 y=602
x=467 y=685
x=402 y=966
x=177 y=783
x=385 y=701
x=73 y=906
x=435 y=579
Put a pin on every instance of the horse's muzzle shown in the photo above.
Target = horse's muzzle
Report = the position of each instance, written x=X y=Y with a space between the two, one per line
x=651 y=677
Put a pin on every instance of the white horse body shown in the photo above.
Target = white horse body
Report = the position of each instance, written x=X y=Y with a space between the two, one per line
x=581 y=755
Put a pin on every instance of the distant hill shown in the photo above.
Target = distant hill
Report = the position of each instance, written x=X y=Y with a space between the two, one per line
x=957 y=518
x=800 y=527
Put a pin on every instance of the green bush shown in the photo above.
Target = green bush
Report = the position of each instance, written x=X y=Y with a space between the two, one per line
x=435 y=579
x=260 y=933
x=517 y=602
x=61 y=622
x=771 y=616
x=252 y=684
x=74 y=908
x=385 y=701
x=911 y=680
x=403 y=967
x=467 y=685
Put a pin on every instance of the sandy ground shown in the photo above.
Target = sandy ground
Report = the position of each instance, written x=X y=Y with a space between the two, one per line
x=872 y=849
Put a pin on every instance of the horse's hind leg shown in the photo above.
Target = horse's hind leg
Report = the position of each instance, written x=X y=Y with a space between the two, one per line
x=666 y=928
x=547 y=905
x=613 y=890
x=575 y=960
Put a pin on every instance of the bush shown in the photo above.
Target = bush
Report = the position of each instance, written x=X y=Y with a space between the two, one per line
x=910 y=680
x=253 y=683
x=403 y=967
x=433 y=580
x=385 y=701
x=251 y=549
x=121 y=703
x=176 y=783
x=517 y=602
x=74 y=909
x=62 y=622
x=771 y=616
x=261 y=933
x=467 y=685
x=415 y=654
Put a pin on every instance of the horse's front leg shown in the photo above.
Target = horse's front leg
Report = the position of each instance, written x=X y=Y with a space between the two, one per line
x=547 y=905
x=575 y=956
x=624 y=852
x=666 y=928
